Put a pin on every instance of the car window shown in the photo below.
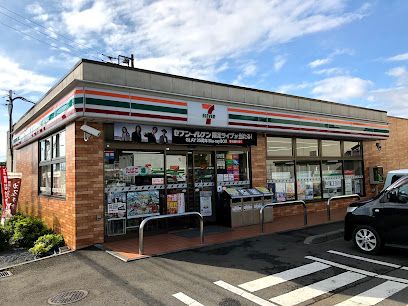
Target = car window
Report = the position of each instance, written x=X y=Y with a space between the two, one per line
x=398 y=194
x=395 y=178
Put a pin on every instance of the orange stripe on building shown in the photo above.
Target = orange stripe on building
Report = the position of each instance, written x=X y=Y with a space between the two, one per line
x=254 y=112
x=178 y=103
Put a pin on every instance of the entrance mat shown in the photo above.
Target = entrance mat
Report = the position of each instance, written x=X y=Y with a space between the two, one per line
x=208 y=230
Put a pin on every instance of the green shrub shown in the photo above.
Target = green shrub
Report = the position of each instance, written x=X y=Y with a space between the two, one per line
x=11 y=223
x=47 y=243
x=4 y=238
x=26 y=230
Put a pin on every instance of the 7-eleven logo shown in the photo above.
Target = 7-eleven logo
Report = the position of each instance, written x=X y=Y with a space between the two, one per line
x=208 y=115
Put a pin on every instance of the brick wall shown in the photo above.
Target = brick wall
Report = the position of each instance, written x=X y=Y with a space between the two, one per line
x=58 y=214
x=79 y=217
x=89 y=195
x=393 y=154
x=258 y=162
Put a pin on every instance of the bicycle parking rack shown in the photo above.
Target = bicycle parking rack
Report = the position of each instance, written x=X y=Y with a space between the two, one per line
x=144 y=222
x=261 y=212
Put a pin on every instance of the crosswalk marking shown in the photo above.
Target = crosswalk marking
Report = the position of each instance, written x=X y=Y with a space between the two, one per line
x=186 y=299
x=278 y=278
x=249 y=296
x=314 y=290
x=374 y=295
x=365 y=259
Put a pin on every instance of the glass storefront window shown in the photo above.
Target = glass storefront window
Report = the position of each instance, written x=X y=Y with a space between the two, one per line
x=353 y=177
x=331 y=148
x=143 y=174
x=232 y=166
x=332 y=178
x=58 y=145
x=307 y=147
x=308 y=180
x=58 y=179
x=281 y=179
x=279 y=146
x=45 y=179
x=176 y=172
x=352 y=148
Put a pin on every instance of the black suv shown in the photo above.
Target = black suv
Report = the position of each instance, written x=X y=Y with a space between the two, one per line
x=383 y=219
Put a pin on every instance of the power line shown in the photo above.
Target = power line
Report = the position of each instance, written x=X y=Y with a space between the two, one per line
x=35 y=38
x=41 y=32
x=40 y=25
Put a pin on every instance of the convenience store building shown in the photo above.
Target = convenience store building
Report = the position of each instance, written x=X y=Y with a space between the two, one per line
x=170 y=144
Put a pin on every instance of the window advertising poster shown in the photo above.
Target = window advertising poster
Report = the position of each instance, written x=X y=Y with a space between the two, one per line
x=206 y=203
x=116 y=205
x=309 y=190
x=137 y=133
x=290 y=191
x=280 y=189
x=142 y=204
x=348 y=185
x=176 y=203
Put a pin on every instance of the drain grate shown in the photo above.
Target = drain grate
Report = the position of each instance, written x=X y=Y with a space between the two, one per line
x=4 y=274
x=68 y=297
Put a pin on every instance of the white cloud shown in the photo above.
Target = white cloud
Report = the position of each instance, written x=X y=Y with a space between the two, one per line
x=319 y=62
x=200 y=33
x=394 y=100
x=337 y=88
x=13 y=76
x=332 y=71
x=341 y=88
x=279 y=61
x=399 y=57
x=248 y=69
x=400 y=74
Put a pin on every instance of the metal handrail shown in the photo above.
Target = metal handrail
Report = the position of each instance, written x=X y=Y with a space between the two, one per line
x=283 y=203
x=339 y=197
x=143 y=223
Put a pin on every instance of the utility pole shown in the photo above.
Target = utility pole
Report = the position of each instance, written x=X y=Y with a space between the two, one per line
x=10 y=106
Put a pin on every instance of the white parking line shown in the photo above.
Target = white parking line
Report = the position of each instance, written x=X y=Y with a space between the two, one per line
x=314 y=290
x=249 y=296
x=367 y=273
x=344 y=267
x=186 y=299
x=374 y=295
x=365 y=259
x=281 y=277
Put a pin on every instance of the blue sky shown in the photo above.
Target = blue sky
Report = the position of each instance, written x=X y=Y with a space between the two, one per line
x=354 y=52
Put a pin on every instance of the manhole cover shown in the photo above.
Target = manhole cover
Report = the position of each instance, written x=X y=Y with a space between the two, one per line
x=68 y=297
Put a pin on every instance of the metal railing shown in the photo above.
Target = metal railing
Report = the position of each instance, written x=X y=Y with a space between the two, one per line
x=339 y=197
x=143 y=223
x=261 y=212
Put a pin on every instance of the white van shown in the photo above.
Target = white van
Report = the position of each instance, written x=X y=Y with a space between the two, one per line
x=394 y=175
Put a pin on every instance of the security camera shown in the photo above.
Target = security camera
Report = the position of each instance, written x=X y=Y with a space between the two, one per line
x=378 y=145
x=90 y=130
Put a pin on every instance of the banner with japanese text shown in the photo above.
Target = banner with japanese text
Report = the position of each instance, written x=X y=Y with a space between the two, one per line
x=4 y=191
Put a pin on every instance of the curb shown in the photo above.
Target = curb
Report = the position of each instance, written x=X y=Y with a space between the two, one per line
x=324 y=237
x=35 y=260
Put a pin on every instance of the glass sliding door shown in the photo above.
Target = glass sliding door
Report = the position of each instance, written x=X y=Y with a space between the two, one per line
x=204 y=178
x=176 y=176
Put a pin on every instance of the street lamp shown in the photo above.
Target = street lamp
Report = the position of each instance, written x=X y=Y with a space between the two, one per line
x=11 y=100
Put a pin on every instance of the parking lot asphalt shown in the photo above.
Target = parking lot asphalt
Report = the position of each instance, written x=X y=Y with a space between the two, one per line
x=277 y=269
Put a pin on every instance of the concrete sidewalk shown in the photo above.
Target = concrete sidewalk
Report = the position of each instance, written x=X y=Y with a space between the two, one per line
x=128 y=250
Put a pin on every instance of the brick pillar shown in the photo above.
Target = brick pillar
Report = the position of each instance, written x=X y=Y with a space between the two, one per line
x=89 y=187
x=258 y=162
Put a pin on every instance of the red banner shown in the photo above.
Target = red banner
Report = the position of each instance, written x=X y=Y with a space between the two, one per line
x=14 y=190
x=4 y=191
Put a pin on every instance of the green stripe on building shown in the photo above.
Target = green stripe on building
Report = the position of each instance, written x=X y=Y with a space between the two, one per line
x=154 y=108
x=302 y=123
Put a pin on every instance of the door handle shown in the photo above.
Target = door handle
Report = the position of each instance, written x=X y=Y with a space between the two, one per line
x=376 y=210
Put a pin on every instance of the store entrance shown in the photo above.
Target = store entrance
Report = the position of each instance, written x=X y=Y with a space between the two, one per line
x=191 y=183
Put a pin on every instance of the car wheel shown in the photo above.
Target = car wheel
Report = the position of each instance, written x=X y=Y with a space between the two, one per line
x=367 y=239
